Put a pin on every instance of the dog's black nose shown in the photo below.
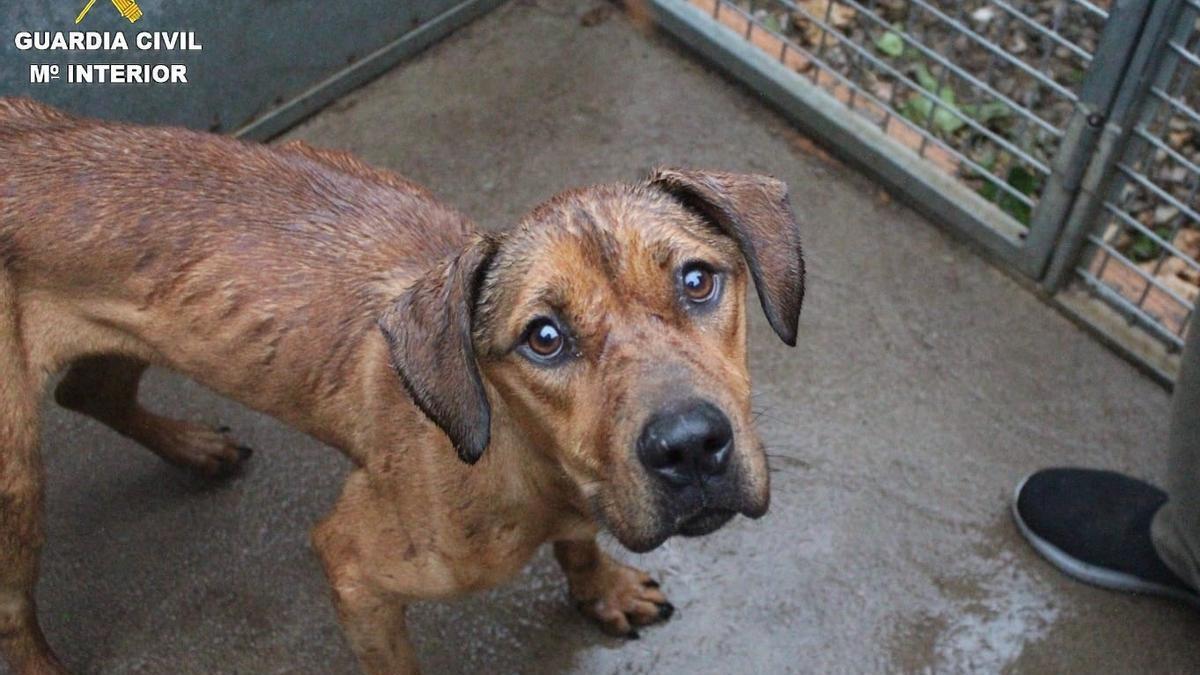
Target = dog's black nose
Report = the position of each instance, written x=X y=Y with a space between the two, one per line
x=686 y=442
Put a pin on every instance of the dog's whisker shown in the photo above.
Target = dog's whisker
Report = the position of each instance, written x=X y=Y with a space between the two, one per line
x=763 y=414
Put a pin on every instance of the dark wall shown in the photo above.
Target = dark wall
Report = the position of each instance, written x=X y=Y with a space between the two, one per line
x=259 y=57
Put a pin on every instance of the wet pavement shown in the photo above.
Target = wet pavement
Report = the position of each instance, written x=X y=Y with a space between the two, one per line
x=925 y=385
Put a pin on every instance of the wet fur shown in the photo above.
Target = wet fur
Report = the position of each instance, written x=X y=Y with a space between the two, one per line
x=302 y=282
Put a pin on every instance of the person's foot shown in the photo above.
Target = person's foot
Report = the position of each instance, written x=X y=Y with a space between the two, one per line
x=1095 y=526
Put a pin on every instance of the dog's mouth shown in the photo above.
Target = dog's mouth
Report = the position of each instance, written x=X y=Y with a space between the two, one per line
x=705 y=522
x=643 y=522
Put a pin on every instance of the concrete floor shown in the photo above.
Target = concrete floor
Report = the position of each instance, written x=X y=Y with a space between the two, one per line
x=925 y=385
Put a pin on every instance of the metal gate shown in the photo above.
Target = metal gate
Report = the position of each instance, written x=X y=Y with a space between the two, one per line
x=1134 y=237
x=1063 y=135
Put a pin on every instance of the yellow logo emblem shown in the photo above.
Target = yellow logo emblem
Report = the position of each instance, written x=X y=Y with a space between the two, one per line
x=128 y=9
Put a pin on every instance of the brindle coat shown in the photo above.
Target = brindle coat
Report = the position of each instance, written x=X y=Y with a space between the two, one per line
x=301 y=282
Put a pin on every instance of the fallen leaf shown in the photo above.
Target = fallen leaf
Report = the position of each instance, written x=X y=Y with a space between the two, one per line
x=1176 y=275
x=1188 y=241
x=983 y=15
x=831 y=12
x=1164 y=214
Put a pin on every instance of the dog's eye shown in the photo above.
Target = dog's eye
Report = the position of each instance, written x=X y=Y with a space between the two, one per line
x=699 y=283
x=545 y=339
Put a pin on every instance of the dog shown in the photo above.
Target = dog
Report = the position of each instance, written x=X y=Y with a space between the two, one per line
x=584 y=370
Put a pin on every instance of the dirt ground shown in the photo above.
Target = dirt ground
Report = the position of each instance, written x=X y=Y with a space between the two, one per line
x=925 y=385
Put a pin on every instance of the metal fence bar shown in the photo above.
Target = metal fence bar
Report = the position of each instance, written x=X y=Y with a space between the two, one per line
x=1058 y=177
x=1162 y=194
x=1151 y=235
x=1098 y=93
x=930 y=190
x=1179 y=106
x=1168 y=150
x=1021 y=123
x=1137 y=314
x=1083 y=54
x=1150 y=279
x=989 y=46
x=752 y=23
x=1099 y=178
x=957 y=70
x=1123 y=179
x=854 y=86
x=931 y=95
x=1095 y=9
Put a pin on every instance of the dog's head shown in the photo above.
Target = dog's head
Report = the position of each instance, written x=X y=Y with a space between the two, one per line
x=610 y=326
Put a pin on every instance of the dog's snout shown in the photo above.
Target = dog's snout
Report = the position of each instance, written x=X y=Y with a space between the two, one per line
x=686 y=443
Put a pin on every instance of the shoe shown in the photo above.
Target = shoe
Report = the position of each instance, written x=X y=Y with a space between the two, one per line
x=1095 y=526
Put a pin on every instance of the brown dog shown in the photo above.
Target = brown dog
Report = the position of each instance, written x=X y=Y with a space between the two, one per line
x=588 y=365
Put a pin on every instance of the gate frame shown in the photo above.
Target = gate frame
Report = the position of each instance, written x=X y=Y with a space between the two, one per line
x=1131 y=106
x=1114 y=319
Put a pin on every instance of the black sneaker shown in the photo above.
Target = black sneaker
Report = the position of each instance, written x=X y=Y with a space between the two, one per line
x=1095 y=527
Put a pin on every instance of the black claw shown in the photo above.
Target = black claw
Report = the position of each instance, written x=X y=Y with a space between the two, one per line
x=665 y=611
x=651 y=584
x=232 y=468
x=226 y=470
x=223 y=429
x=633 y=635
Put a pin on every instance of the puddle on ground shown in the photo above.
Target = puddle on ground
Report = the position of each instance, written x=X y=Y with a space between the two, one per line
x=988 y=608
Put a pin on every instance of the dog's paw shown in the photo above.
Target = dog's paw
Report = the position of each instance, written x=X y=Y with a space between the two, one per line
x=621 y=598
x=209 y=452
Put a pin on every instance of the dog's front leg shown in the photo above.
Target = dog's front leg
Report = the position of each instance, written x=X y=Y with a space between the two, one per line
x=371 y=616
x=617 y=596
x=374 y=625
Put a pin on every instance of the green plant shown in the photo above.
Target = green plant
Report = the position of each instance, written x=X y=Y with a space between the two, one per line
x=890 y=43
x=920 y=105
x=1144 y=247
x=987 y=112
x=1020 y=180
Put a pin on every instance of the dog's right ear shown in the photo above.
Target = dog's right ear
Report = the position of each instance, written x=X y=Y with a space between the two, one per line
x=428 y=329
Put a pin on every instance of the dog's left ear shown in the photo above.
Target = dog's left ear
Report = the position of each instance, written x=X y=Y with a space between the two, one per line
x=754 y=211
x=428 y=330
